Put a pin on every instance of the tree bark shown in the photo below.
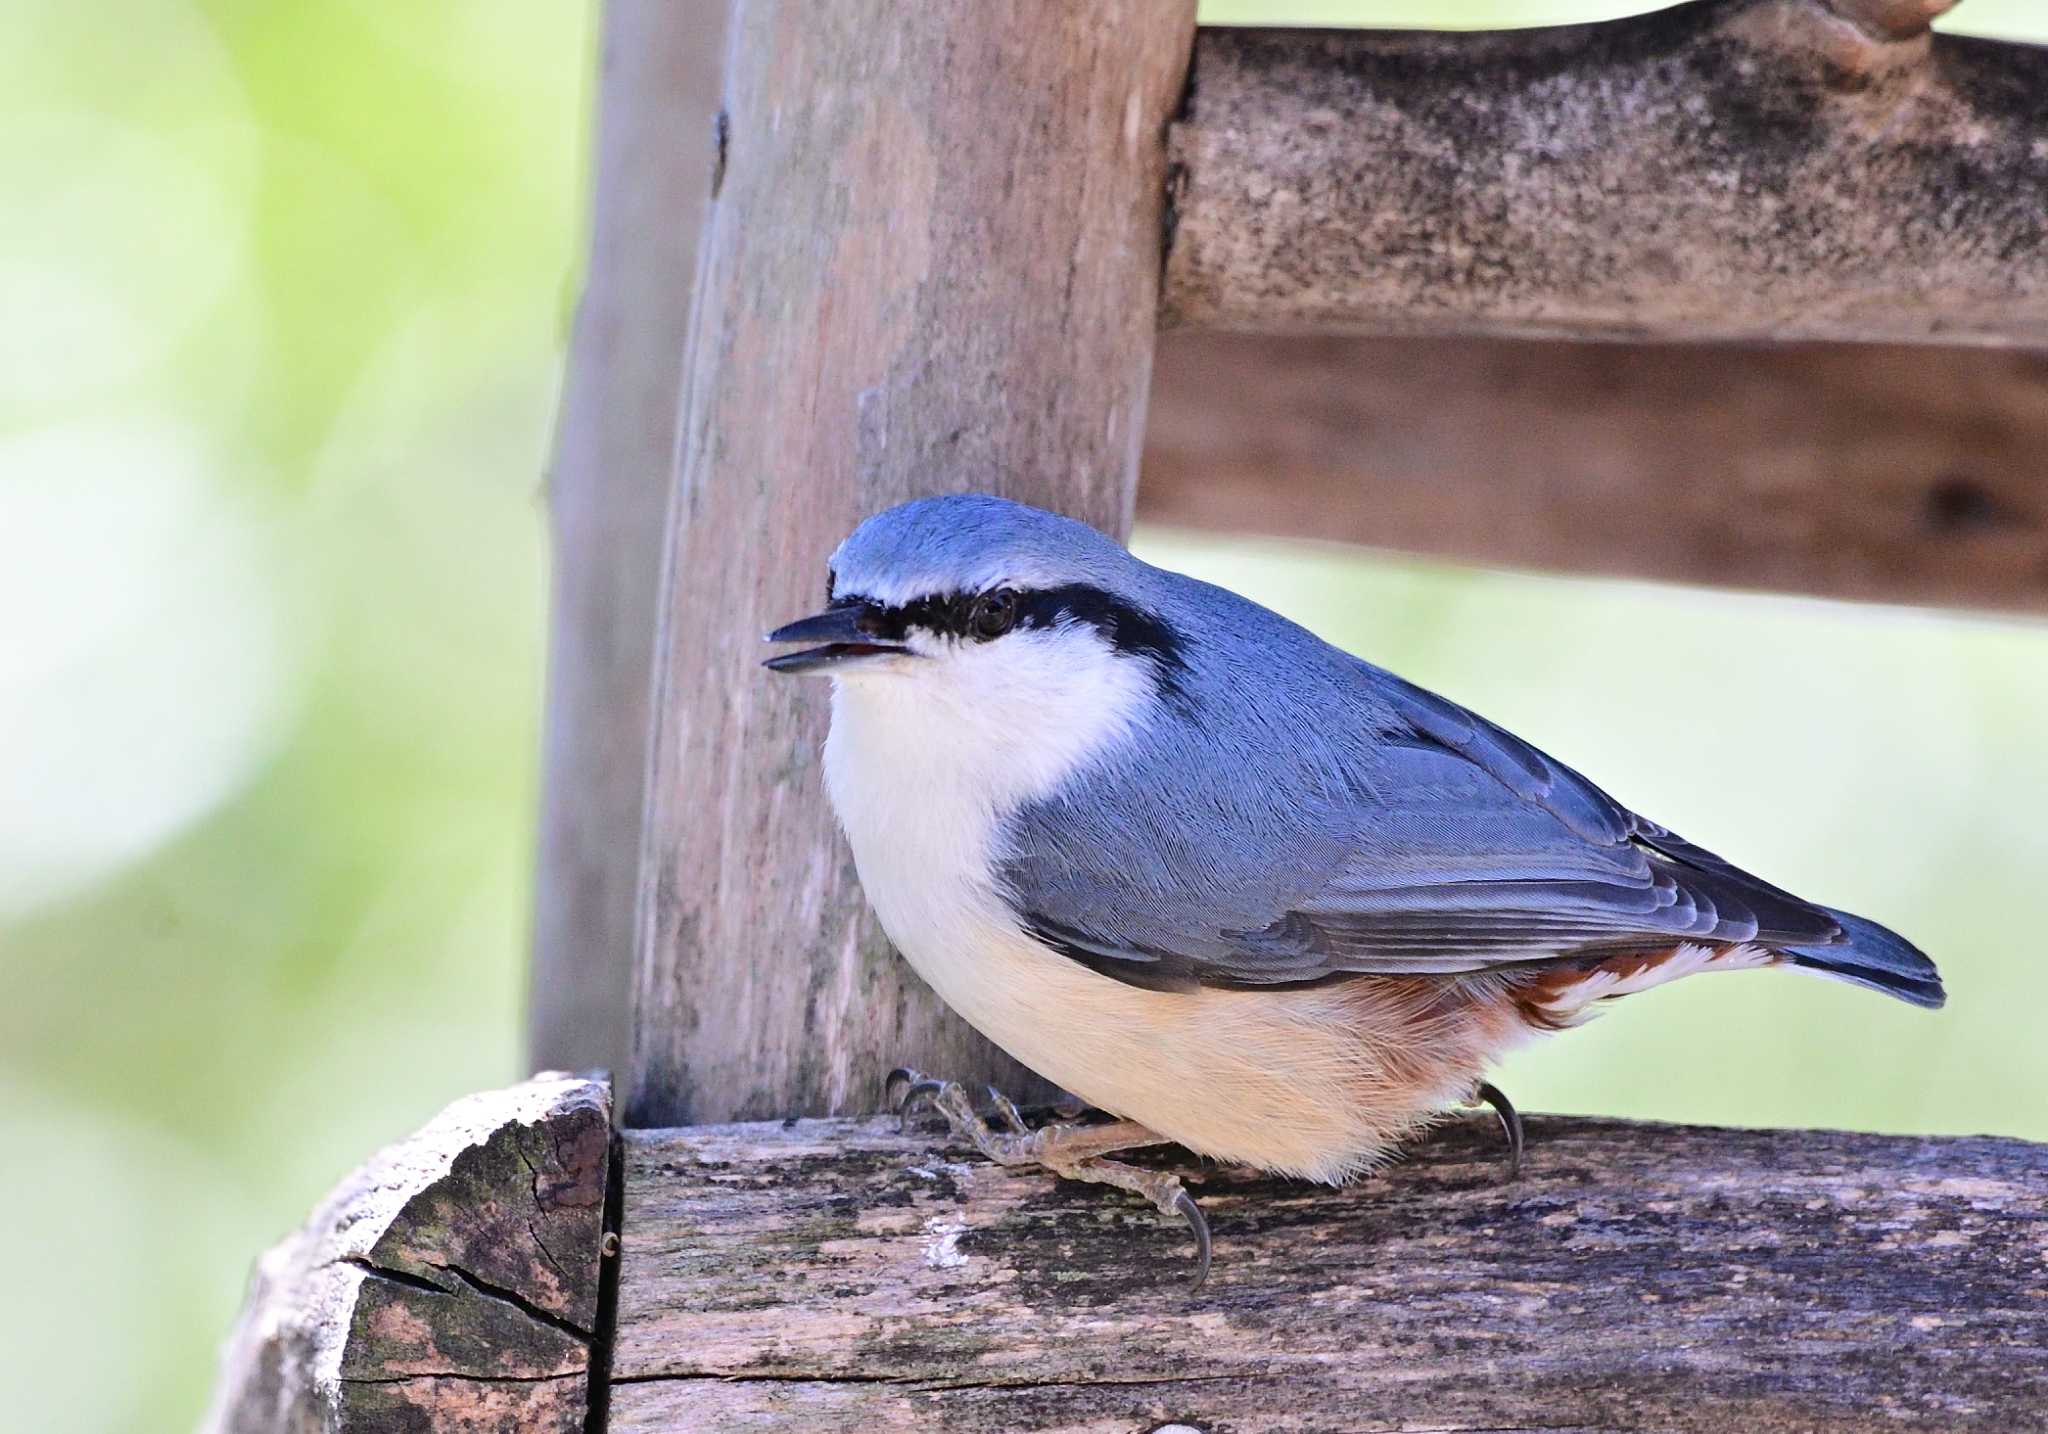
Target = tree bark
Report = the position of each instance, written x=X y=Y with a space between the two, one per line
x=834 y=1276
x=932 y=264
x=1725 y=169
x=1851 y=471
x=450 y=1284
x=608 y=488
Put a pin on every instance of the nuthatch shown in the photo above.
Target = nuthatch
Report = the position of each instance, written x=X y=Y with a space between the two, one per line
x=1223 y=881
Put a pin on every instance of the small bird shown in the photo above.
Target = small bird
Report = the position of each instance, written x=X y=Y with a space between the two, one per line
x=1228 y=884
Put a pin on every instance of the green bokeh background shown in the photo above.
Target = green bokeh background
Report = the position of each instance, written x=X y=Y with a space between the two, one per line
x=286 y=288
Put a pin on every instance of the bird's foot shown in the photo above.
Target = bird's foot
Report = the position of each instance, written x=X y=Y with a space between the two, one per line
x=1487 y=1093
x=1072 y=1152
x=906 y=1091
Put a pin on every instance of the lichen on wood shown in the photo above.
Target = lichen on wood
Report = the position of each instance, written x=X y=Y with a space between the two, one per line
x=1721 y=169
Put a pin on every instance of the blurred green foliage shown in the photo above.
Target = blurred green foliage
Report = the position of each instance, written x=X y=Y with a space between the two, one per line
x=286 y=287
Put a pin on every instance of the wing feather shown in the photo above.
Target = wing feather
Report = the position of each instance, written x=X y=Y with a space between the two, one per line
x=1435 y=843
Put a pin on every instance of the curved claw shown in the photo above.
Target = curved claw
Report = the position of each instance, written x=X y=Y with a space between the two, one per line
x=920 y=1091
x=1185 y=1205
x=1510 y=1122
x=896 y=1086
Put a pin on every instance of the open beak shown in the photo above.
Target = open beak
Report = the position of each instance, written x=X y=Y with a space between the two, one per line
x=844 y=643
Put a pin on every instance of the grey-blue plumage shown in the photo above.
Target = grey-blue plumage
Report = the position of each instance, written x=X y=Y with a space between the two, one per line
x=1291 y=813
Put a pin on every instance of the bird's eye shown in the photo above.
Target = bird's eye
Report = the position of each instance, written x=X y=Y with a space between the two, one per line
x=995 y=613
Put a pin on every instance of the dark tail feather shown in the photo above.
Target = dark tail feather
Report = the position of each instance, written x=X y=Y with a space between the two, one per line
x=1871 y=956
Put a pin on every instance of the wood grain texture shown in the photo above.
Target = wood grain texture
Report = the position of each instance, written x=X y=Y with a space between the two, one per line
x=932 y=265
x=1856 y=471
x=608 y=489
x=1727 y=169
x=824 y=1276
x=449 y=1284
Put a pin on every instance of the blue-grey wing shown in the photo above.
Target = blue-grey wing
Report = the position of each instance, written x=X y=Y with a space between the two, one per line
x=1435 y=842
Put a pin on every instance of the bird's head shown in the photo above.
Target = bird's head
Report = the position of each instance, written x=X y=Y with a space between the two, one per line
x=993 y=612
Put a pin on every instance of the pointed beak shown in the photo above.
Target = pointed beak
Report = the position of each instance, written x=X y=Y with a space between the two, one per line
x=843 y=641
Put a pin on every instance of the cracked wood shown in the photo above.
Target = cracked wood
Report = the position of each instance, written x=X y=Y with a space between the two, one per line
x=449 y=1284
x=838 y=1276
x=1727 y=168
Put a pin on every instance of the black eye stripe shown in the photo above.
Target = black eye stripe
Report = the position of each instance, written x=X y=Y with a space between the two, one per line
x=1130 y=629
x=947 y=614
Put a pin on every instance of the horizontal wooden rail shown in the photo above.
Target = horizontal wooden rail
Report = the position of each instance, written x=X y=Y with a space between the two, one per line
x=1874 y=471
x=511 y=1267
x=838 y=1276
x=1724 y=169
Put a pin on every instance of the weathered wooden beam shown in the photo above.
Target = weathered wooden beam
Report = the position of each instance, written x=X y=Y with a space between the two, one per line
x=608 y=489
x=837 y=1276
x=932 y=264
x=450 y=1284
x=1724 y=169
x=1859 y=471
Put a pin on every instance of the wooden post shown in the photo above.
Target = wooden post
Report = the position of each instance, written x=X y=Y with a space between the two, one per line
x=932 y=264
x=608 y=489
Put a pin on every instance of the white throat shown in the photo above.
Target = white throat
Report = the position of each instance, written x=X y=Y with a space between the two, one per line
x=927 y=758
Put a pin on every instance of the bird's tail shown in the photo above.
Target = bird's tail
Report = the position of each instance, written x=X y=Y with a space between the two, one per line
x=1869 y=955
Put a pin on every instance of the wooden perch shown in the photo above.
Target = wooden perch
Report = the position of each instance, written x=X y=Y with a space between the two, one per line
x=836 y=1276
x=1725 y=169
x=1858 y=471
x=451 y=1284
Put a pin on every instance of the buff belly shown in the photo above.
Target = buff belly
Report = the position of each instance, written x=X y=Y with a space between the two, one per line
x=1318 y=1081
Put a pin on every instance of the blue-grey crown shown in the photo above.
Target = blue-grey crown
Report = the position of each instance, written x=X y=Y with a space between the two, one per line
x=970 y=542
